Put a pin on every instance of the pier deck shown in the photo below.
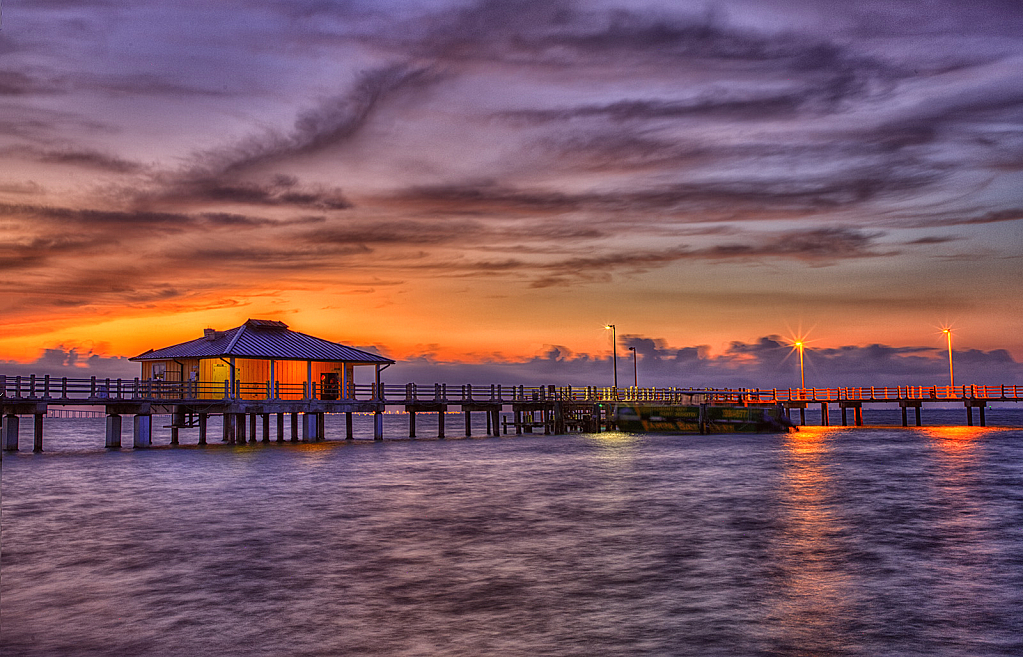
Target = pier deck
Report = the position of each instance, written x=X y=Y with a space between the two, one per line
x=555 y=409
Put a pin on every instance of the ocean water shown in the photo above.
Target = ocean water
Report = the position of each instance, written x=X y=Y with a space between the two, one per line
x=829 y=541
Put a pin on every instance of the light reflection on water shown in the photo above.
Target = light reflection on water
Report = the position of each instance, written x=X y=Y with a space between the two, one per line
x=830 y=541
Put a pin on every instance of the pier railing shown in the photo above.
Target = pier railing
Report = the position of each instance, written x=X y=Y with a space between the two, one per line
x=99 y=391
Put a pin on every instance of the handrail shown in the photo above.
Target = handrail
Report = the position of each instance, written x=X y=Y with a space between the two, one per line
x=46 y=388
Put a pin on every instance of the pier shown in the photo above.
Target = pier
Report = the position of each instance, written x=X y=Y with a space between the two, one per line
x=251 y=408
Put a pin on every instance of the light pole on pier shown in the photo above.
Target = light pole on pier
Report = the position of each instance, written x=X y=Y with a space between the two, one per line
x=951 y=375
x=614 y=352
x=635 y=368
x=802 y=379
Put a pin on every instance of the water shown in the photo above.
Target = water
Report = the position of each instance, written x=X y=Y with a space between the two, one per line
x=837 y=541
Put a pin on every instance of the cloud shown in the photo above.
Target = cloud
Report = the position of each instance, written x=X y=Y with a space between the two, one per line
x=73 y=363
x=280 y=191
x=333 y=121
x=765 y=363
x=90 y=159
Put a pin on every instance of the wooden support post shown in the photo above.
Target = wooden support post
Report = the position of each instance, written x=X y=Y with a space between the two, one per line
x=37 y=431
x=280 y=427
x=349 y=435
x=378 y=425
x=252 y=428
x=308 y=427
x=490 y=418
x=440 y=423
x=113 y=431
x=321 y=426
x=227 y=428
x=468 y=422
x=203 y=422
x=917 y=409
x=177 y=421
x=294 y=427
x=802 y=416
x=266 y=427
x=10 y=432
x=969 y=415
x=496 y=421
x=546 y=416
x=844 y=421
x=905 y=418
x=411 y=424
x=825 y=420
x=858 y=416
x=143 y=431
x=983 y=420
x=518 y=422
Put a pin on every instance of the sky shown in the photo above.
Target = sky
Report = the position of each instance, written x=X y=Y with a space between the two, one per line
x=476 y=189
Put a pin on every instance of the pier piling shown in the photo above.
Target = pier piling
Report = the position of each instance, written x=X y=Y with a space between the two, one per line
x=113 y=435
x=10 y=432
x=142 y=436
x=37 y=430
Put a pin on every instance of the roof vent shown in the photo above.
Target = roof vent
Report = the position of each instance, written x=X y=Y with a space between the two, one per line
x=266 y=324
x=209 y=334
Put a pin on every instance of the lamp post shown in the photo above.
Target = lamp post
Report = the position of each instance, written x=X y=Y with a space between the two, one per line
x=635 y=368
x=951 y=376
x=802 y=378
x=614 y=353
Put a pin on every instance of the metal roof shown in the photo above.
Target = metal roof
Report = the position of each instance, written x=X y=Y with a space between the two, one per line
x=263 y=339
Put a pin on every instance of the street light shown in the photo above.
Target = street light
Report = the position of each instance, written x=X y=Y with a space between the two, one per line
x=635 y=368
x=951 y=376
x=802 y=379
x=614 y=351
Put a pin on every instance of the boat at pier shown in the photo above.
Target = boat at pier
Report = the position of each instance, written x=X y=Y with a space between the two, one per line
x=702 y=415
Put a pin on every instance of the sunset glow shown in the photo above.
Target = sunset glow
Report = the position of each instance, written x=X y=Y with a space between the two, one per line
x=483 y=183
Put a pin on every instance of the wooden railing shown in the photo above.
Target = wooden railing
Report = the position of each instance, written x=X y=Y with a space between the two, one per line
x=99 y=391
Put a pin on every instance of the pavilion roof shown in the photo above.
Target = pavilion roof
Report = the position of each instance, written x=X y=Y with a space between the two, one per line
x=262 y=338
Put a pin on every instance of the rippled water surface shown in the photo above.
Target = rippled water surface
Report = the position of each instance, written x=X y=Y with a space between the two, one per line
x=823 y=542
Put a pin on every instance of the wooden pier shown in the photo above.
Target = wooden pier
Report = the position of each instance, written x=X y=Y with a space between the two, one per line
x=247 y=408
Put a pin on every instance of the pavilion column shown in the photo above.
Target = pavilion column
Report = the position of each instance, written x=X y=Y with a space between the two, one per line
x=271 y=393
x=309 y=379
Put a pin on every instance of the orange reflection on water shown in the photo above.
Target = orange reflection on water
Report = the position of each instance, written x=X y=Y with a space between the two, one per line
x=814 y=590
x=956 y=438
